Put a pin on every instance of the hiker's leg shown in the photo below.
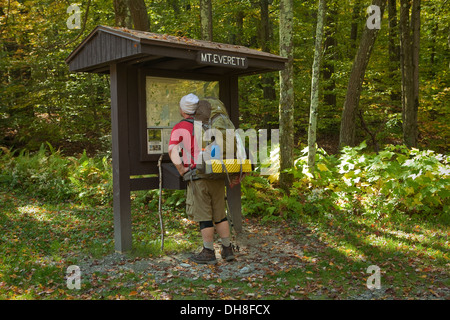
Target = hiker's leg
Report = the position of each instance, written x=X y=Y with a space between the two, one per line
x=216 y=189
x=207 y=255
x=202 y=211
x=207 y=231
x=223 y=229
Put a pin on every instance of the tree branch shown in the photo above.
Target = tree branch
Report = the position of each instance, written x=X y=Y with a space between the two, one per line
x=83 y=26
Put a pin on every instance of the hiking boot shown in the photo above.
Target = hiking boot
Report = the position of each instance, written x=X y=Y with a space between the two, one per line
x=207 y=256
x=227 y=253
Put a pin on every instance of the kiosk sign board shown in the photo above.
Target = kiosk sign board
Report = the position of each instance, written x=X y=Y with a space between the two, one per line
x=163 y=107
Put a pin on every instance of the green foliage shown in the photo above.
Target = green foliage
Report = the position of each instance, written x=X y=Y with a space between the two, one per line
x=41 y=100
x=259 y=197
x=92 y=179
x=396 y=179
x=49 y=175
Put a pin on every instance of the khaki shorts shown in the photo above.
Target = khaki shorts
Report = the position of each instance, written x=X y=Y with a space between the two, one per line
x=205 y=200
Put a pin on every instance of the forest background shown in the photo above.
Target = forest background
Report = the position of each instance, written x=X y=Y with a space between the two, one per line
x=41 y=101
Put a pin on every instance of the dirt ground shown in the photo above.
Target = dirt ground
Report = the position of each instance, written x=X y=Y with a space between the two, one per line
x=258 y=252
x=261 y=251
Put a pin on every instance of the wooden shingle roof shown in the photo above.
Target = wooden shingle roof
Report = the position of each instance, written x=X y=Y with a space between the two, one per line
x=107 y=45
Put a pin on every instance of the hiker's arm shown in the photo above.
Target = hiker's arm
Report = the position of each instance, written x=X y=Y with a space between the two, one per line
x=175 y=157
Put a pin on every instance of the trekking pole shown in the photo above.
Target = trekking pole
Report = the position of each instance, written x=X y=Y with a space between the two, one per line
x=235 y=247
x=229 y=215
x=161 y=223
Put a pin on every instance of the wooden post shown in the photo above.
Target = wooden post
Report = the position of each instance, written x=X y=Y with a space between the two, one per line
x=234 y=203
x=120 y=158
x=229 y=95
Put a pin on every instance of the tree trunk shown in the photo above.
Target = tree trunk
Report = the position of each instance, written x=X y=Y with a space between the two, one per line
x=315 y=86
x=394 y=49
x=139 y=15
x=121 y=14
x=265 y=25
x=347 y=131
x=354 y=28
x=409 y=57
x=267 y=81
x=206 y=20
x=237 y=38
x=434 y=31
x=286 y=107
x=329 y=48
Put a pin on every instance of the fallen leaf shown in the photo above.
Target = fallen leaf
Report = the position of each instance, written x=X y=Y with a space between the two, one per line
x=434 y=293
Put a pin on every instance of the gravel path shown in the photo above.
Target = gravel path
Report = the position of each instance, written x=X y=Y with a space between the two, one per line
x=262 y=251
x=259 y=252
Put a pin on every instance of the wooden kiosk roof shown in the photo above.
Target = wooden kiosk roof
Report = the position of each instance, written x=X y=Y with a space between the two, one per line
x=106 y=45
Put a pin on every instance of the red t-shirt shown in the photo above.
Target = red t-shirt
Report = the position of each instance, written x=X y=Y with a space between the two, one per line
x=182 y=134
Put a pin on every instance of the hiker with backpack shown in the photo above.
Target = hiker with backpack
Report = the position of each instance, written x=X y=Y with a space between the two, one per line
x=205 y=200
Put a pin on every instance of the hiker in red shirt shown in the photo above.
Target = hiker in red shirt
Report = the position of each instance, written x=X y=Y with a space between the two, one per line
x=205 y=199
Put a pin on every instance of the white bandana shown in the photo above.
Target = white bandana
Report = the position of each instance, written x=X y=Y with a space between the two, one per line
x=189 y=103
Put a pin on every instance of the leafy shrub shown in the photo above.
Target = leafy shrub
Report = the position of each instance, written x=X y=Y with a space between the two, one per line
x=261 y=198
x=47 y=174
x=92 y=179
x=397 y=179
x=258 y=196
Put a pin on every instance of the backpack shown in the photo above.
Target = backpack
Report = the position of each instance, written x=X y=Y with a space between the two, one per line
x=216 y=162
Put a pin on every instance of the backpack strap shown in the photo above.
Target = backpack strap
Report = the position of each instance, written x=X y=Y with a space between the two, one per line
x=190 y=120
x=181 y=145
x=190 y=175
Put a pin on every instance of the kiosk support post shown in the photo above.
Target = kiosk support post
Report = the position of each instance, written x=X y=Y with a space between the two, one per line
x=120 y=159
x=229 y=94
